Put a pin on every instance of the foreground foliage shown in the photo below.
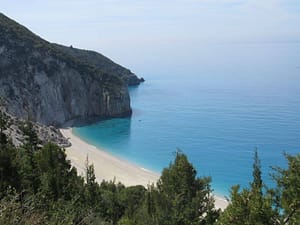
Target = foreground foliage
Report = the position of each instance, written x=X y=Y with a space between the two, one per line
x=39 y=186
x=259 y=205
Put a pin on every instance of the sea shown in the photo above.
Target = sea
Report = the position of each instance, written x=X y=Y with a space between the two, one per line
x=218 y=107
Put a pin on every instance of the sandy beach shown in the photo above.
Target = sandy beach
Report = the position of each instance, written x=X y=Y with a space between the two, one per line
x=109 y=167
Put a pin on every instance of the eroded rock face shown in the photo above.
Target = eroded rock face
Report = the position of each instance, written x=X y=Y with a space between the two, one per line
x=45 y=134
x=50 y=86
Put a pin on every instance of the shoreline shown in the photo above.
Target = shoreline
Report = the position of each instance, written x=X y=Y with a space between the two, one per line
x=111 y=168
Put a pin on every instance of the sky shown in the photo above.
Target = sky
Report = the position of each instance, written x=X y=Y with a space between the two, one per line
x=137 y=31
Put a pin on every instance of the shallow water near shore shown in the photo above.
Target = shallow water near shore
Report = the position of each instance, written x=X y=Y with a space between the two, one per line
x=216 y=114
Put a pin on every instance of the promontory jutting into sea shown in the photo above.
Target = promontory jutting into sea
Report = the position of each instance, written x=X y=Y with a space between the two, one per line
x=202 y=127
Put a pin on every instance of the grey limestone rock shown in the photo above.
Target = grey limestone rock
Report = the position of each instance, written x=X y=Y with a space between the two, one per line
x=45 y=133
x=50 y=85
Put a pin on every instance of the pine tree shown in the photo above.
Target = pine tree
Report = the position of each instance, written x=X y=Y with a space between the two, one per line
x=31 y=138
x=287 y=193
x=91 y=187
x=251 y=206
x=189 y=199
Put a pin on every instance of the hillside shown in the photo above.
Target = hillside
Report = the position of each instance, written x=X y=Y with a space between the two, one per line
x=102 y=63
x=52 y=84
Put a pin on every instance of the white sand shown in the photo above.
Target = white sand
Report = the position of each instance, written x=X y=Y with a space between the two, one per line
x=109 y=167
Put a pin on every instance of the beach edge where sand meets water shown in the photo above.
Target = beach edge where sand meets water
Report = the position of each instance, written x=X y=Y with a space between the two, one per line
x=109 y=167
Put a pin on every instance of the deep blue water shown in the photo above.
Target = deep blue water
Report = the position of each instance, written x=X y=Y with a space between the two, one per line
x=217 y=111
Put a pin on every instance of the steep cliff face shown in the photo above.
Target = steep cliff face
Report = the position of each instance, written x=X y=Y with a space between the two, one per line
x=40 y=80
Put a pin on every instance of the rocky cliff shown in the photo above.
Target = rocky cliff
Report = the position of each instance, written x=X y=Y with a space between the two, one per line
x=53 y=84
x=14 y=128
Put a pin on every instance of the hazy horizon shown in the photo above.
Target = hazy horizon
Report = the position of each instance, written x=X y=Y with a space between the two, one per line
x=141 y=34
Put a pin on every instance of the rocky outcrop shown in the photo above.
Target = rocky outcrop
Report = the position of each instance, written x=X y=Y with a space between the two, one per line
x=45 y=133
x=50 y=85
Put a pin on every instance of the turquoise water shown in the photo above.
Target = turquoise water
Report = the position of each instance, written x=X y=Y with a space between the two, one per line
x=217 y=111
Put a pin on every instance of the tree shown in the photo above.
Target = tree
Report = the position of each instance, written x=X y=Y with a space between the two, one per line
x=9 y=167
x=184 y=198
x=91 y=186
x=31 y=138
x=131 y=199
x=26 y=156
x=287 y=192
x=54 y=171
x=251 y=205
x=257 y=180
x=3 y=124
x=110 y=206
